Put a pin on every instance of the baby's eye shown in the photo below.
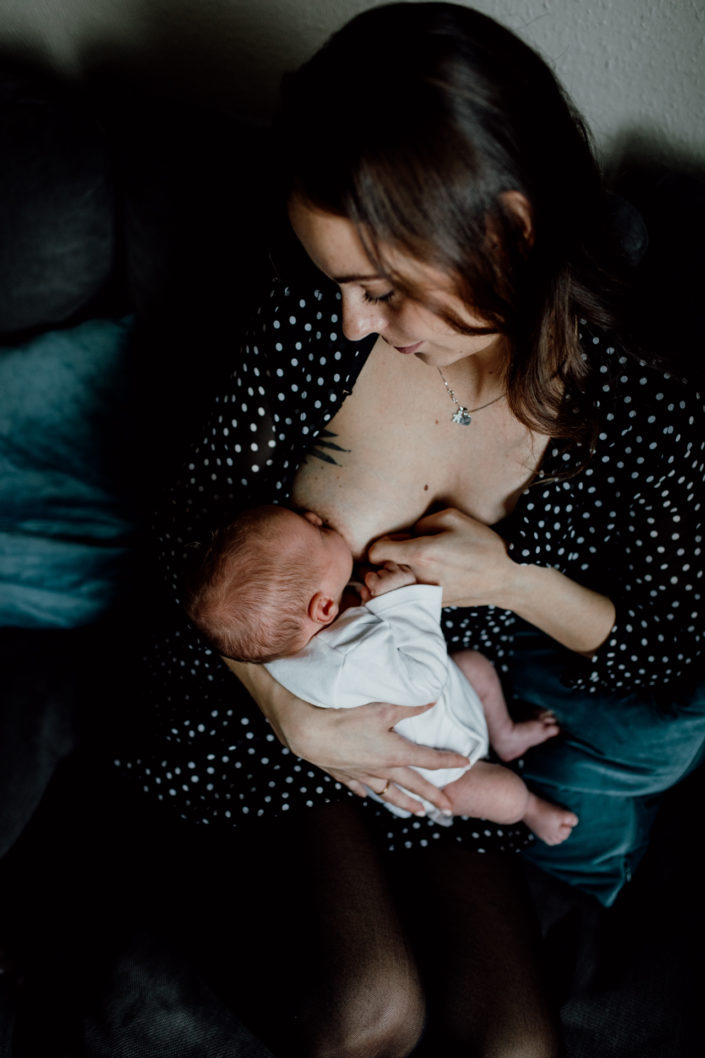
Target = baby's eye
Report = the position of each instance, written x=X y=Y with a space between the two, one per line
x=375 y=300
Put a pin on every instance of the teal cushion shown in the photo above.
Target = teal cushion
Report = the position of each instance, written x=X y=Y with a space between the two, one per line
x=66 y=519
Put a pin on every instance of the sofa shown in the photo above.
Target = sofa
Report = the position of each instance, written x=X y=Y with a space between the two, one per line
x=135 y=232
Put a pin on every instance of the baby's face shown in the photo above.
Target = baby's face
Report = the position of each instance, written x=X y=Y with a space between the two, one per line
x=328 y=550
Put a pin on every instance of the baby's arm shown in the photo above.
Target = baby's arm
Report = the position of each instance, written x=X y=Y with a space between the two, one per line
x=386 y=578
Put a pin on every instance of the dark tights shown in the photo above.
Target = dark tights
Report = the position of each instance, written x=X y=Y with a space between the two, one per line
x=351 y=957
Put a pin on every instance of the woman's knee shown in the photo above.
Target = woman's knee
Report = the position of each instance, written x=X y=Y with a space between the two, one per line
x=536 y=1041
x=519 y=1032
x=380 y=1018
x=494 y=1033
x=528 y=1047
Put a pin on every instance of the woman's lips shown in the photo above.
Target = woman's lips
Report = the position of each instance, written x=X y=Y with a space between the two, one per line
x=408 y=349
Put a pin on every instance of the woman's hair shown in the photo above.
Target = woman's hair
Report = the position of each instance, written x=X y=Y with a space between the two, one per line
x=248 y=592
x=412 y=122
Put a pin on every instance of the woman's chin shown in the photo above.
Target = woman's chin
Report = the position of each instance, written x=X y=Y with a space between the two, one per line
x=437 y=358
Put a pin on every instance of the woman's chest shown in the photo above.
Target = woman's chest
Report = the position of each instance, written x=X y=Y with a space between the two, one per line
x=392 y=452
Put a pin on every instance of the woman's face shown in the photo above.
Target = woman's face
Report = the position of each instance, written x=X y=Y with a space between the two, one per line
x=372 y=306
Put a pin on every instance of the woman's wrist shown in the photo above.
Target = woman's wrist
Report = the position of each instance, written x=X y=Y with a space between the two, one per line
x=518 y=585
x=514 y=585
x=271 y=698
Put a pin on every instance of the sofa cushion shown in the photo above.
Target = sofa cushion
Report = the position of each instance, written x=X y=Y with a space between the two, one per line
x=56 y=204
x=66 y=517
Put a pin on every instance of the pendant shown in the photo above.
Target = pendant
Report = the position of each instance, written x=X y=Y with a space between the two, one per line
x=462 y=416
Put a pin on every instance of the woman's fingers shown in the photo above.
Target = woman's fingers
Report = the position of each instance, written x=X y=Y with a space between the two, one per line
x=403 y=787
x=398 y=789
x=413 y=754
x=390 y=550
x=435 y=759
x=406 y=783
x=419 y=552
x=440 y=520
x=398 y=797
x=398 y=752
x=360 y=746
x=469 y=559
x=386 y=789
x=353 y=785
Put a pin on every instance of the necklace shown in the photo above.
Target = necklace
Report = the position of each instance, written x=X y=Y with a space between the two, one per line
x=462 y=414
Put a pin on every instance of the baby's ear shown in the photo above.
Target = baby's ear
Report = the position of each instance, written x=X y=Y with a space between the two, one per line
x=322 y=609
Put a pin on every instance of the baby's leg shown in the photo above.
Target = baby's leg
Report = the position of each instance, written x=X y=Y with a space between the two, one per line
x=490 y=791
x=508 y=739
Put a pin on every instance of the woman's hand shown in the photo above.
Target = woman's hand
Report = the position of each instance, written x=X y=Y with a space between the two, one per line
x=468 y=559
x=357 y=747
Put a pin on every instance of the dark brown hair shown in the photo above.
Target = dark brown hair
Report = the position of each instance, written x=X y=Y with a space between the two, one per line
x=412 y=121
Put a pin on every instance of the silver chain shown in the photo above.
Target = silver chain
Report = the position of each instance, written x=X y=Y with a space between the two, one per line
x=462 y=415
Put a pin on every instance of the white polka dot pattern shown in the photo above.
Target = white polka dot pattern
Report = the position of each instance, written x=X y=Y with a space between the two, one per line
x=627 y=525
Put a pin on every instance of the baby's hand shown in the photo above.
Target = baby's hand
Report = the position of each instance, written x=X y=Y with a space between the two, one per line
x=388 y=577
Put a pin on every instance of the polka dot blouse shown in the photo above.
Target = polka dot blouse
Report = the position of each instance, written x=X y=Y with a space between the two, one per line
x=628 y=524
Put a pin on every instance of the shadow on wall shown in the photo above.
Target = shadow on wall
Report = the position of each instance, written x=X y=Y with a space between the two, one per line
x=668 y=189
x=224 y=55
x=228 y=57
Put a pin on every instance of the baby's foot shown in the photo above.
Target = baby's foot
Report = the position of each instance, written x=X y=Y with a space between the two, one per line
x=517 y=738
x=549 y=822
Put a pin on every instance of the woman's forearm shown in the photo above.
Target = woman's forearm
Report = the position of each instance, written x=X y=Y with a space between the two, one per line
x=253 y=677
x=270 y=696
x=577 y=617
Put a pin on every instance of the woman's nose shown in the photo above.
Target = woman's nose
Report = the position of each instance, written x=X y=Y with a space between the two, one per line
x=361 y=318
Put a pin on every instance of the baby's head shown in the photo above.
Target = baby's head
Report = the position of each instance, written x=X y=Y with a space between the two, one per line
x=267 y=582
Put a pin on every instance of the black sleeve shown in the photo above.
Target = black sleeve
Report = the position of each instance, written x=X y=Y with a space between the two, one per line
x=657 y=592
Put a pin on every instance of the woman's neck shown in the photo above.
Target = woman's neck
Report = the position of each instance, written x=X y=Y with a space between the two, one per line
x=478 y=377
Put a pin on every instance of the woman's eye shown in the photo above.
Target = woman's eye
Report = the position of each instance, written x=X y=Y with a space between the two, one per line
x=376 y=299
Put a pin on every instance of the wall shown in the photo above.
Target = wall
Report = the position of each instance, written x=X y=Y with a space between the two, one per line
x=636 y=68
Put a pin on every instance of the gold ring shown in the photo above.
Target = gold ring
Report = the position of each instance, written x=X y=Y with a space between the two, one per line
x=386 y=787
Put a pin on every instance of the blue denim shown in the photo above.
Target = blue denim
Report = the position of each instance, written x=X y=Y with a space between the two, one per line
x=615 y=757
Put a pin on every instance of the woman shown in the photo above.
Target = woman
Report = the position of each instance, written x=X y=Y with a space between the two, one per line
x=457 y=368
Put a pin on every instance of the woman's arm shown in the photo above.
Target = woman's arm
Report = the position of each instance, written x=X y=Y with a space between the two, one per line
x=577 y=617
x=357 y=747
x=472 y=563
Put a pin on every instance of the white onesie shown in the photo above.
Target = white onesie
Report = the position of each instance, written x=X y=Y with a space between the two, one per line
x=392 y=650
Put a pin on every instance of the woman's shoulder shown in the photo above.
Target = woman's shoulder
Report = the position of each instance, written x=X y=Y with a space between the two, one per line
x=631 y=388
x=296 y=332
x=308 y=304
x=294 y=313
